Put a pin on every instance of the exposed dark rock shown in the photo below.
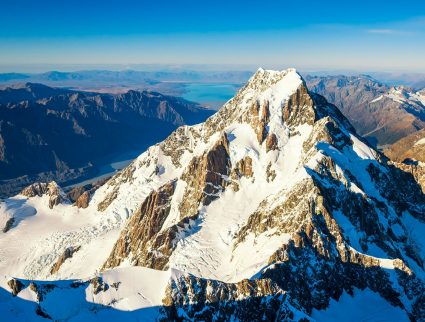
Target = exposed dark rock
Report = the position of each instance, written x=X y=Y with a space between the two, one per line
x=68 y=253
x=9 y=224
x=298 y=108
x=271 y=142
x=205 y=177
x=55 y=193
x=271 y=174
x=15 y=285
x=83 y=200
x=98 y=285
x=36 y=189
x=142 y=228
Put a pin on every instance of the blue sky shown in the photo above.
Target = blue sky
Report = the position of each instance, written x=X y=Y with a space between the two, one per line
x=317 y=35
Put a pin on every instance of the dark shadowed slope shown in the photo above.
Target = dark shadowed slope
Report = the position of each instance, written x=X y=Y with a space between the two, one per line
x=50 y=130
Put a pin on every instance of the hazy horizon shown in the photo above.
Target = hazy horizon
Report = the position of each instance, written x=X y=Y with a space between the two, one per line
x=69 y=68
x=370 y=36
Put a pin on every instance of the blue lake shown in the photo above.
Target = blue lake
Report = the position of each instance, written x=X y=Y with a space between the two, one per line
x=211 y=95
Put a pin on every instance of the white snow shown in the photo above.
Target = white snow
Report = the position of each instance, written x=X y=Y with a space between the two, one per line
x=134 y=294
x=377 y=99
x=207 y=246
x=421 y=141
x=207 y=250
x=364 y=305
x=361 y=149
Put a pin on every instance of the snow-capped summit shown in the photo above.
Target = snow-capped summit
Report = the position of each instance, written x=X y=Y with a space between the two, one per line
x=272 y=209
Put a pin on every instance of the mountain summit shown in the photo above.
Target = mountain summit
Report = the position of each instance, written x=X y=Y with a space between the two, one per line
x=273 y=209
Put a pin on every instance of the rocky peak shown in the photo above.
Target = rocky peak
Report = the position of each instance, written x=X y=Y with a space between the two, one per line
x=274 y=205
x=52 y=189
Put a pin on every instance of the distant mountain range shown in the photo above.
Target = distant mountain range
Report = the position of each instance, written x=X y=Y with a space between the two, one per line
x=166 y=82
x=409 y=148
x=62 y=134
x=381 y=113
x=129 y=76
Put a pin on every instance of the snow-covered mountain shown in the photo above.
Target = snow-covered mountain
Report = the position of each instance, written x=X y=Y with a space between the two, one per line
x=273 y=209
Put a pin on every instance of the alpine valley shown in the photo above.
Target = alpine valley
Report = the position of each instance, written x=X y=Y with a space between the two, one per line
x=273 y=209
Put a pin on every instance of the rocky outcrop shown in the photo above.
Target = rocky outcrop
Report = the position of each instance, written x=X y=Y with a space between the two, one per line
x=98 y=285
x=159 y=249
x=55 y=193
x=259 y=118
x=194 y=298
x=416 y=170
x=271 y=142
x=15 y=285
x=68 y=253
x=109 y=198
x=243 y=167
x=83 y=200
x=9 y=224
x=143 y=229
x=271 y=174
x=298 y=108
x=206 y=177
x=37 y=189
x=80 y=195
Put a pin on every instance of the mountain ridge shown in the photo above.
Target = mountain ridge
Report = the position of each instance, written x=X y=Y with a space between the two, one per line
x=49 y=130
x=381 y=113
x=325 y=219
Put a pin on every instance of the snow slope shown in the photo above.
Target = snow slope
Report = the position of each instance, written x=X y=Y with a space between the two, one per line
x=273 y=210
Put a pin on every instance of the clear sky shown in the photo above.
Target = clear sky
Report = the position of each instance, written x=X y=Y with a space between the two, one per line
x=370 y=35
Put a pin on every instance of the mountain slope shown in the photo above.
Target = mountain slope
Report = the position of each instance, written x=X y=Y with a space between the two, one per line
x=273 y=209
x=409 y=147
x=54 y=131
x=408 y=154
x=381 y=113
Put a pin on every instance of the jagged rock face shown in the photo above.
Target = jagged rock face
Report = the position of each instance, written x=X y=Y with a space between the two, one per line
x=252 y=228
x=36 y=189
x=299 y=108
x=16 y=286
x=271 y=142
x=80 y=195
x=416 y=170
x=55 y=193
x=335 y=185
x=143 y=229
x=83 y=200
x=206 y=177
x=208 y=300
x=68 y=253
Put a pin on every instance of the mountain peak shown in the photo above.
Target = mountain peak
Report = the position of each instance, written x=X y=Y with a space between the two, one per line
x=266 y=79
x=273 y=192
x=262 y=98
